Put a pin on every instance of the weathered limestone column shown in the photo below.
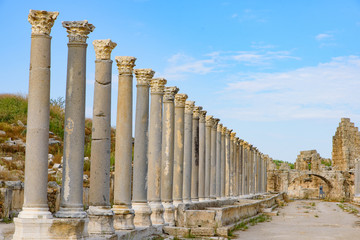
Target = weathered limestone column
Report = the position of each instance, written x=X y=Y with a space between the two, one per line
x=223 y=162
x=37 y=135
x=218 y=160
x=246 y=167
x=232 y=163
x=357 y=180
x=236 y=177
x=213 y=159
x=71 y=204
x=139 y=200
x=195 y=155
x=167 y=162
x=262 y=173
x=179 y=148
x=266 y=169
x=227 y=162
x=157 y=87
x=189 y=107
x=208 y=126
x=258 y=166
x=241 y=167
x=100 y=213
x=202 y=165
x=253 y=169
x=124 y=214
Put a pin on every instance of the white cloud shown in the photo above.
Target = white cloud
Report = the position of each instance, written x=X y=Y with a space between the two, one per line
x=328 y=90
x=322 y=36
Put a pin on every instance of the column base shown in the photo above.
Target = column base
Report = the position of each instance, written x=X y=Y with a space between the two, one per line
x=187 y=201
x=157 y=213
x=50 y=229
x=124 y=217
x=177 y=202
x=35 y=212
x=101 y=221
x=169 y=213
x=142 y=214
x=194 y=200
x=71 y=212
x=202 y=199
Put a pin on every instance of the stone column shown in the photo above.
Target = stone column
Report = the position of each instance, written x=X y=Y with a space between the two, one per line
x=189 y=107
x=213 y=159
x=208 y=126
x=202 y=166
x=179 y=148
x=167 y=162
x=195 y=155
x=258 y=165
x=223 y=162
x=232 y=163
x=236 y=177
x=262 y=173
x=37 y=135
x=253 y=169
x=266 y=172
x=100 y=213
x=139 y=200
x=227 y=162
x=157 y=86
x=246 y=167
x=218 y=161
x=74 y=135
x=241 y=167
x=124 y=214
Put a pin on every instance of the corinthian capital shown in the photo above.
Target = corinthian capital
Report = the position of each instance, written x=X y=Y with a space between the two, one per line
x=125 y=64
x=189 y=107
x=232 y=135
x=215 y=123
x=219 y=127
x=144 y=75
x=180 y=99
x=223 y=130
x=202 y=116
x=228 y=132
x=157 y=85
x=169 y=94
x=42 y=21
x=103 y=48
x=196 y=112
x=78 y=30
x=209 y=121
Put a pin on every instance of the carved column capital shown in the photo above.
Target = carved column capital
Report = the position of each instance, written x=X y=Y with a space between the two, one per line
x=219 y=127
x=223 y=130
x=202 y=116
x=157 y=85
x=125 y=64
x=169 y=95
x=215 y=123
x=209 y=121
x=232 y=135
x=189 y=107
x=143 y=76
x=180 y=99
x=78 y=30
x=103 y=48
x=41 y=21
x=228 y=131
x=196 y=112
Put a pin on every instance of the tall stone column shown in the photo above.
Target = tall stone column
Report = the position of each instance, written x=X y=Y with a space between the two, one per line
x=262 y=174
x=124 y=214
x=223 y=162
x=236 y=177
x=202 y=166
x=258 y=172
x=37 y=135
x=71 y=204
x=189 y=107
x=139 y=200
x=167 y=162
x=232 y=163
x=218 y=160
x=213 y=159
x=241 y=167
x=157 y=86
x=100 y=213
x=195 y=155
x=253 y=168
x=246 y=167
x=208 y=126
x=227 y=162
x=179 y=148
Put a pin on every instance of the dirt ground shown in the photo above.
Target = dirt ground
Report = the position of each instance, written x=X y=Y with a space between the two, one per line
x=306 y=219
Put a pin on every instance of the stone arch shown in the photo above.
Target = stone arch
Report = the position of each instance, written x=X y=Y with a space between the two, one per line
x=328 y=182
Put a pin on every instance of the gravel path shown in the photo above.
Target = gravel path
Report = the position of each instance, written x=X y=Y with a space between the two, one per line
x=306 y=219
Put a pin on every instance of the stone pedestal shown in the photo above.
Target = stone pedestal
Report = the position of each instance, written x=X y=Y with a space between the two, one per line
x=189 y=107
x=195 y=155
x=139 y=200
x=157 y=86
x=218 y=161
x=100 y=213
x=179 y=148
x=167 y=163
x=208 y=125
x=201 y=192
x=124 y=214
x=71 y=205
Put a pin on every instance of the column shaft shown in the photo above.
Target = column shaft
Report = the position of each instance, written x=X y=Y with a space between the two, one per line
x=195 y=155
x=209 y=124
x=218 y=161
x=202 y=167
x=213 y=159
x=189 y=106
x=227 y=163
x=223 y=162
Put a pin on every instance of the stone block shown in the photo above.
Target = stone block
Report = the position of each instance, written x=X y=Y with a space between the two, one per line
x=200 y=218
x=203 y=231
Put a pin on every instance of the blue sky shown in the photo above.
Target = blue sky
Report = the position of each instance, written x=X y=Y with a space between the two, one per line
x=280 y=73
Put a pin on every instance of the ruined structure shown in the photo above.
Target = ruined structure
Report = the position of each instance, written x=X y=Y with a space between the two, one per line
x=183 y=159
x=336 y=177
